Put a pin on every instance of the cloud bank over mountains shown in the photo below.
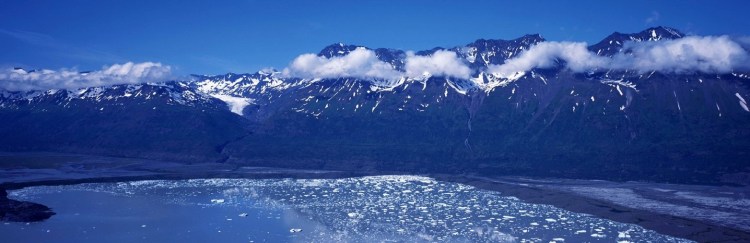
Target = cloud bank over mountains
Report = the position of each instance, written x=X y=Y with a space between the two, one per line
x=359 y=63
x=689 y=54
x=126 y=73
x=364 y=63
x=706 y=54
x=440 y=63
x=574 y=55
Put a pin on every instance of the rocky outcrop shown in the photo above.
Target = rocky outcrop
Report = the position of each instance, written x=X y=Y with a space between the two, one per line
x=19 y=211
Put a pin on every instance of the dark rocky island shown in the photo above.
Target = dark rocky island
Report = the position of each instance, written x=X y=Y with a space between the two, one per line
x=18 y=211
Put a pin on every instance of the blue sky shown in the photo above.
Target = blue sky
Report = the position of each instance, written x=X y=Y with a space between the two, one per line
x=245 y=36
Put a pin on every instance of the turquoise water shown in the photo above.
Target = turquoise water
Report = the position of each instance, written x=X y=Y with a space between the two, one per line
x=366 y=209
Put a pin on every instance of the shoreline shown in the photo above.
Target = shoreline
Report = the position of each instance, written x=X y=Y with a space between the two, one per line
x=662 y=223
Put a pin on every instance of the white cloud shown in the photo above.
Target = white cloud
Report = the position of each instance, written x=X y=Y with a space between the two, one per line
x=359 y=63
x=546 y=54
x=20 y=80
x=440 y=63
x=364 y=63
x=704 y=54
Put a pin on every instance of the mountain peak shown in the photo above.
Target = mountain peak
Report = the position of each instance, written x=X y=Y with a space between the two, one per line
x=534 y=37
x=662 y=32
x=337 y=49
x=613 y=43
x=525 y=39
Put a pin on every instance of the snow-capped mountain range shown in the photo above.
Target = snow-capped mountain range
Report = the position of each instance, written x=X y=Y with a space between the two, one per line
x=239 y=91
x=171 y=93
x=543 y=121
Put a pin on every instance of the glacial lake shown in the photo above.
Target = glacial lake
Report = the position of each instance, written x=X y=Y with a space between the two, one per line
x=364 y=209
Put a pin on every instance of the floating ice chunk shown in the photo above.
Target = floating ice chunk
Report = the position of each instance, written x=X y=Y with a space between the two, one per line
x=598 y=235
x=360 y=218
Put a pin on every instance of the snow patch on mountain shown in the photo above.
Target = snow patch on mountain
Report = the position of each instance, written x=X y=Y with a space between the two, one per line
x=489 y=81
x=618 y=83
x=241 y=85
x=236 y=104
x=743 y=103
